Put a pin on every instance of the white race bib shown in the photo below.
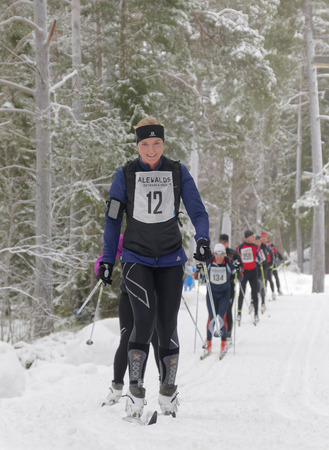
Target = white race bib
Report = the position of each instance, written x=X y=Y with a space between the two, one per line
x=154 y=200
x=218 y=275
x=247 y=255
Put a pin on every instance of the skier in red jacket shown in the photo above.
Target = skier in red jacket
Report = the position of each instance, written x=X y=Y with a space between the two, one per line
x=249 y=252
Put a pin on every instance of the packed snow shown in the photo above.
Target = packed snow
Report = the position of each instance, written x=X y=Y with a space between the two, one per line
x=269 y=392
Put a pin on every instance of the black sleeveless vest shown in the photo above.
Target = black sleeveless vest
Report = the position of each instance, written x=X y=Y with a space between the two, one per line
x=152 y=239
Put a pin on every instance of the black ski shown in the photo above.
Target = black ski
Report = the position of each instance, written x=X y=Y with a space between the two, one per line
x=151 y=419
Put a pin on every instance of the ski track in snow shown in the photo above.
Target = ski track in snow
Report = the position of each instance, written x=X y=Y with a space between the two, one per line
x=271 y=393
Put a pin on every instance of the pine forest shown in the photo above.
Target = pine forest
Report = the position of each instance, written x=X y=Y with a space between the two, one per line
x=242 y=88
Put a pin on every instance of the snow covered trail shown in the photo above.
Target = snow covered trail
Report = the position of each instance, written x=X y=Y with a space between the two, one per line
x=273 y=393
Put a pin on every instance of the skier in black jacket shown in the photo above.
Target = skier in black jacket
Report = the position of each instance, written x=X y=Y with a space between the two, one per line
x=233 y=256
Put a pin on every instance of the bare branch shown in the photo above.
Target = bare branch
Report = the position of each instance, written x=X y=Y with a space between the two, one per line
x=20 y=291
x=19 y=87
x=21 y=19
x=19 y=3
x=51 y=34
x=24 y=111
x=17 y=166
x=203 y=30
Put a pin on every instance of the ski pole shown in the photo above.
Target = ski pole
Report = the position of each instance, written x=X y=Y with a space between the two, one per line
x=235 y=309
x=217 y=332
x=285 y=279
x=89 y=341
x=77 y=312
x=196 y=313
x=196 y=326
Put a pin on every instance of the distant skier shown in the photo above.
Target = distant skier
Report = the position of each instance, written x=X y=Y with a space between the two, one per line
x=220 y=273
x=278 y=259
x=250 y=255
x=234 y=256
x=190 y=270
x=261 y=272
x=268 y=266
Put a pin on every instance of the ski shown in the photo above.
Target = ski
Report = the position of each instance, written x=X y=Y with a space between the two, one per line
x=205 y=355
x=151 y=419
x=222 y=354
x=110 y=402
x=227 y=348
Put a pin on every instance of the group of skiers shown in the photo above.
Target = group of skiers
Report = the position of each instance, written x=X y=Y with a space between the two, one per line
x=254 y=261
x=149 y=190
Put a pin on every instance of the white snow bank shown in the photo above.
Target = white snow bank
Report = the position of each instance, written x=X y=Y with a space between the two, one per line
x=105 y=342
x=12 y=374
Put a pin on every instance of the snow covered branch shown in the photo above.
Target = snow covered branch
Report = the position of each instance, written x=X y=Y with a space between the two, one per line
x=64 y=80
x=17 y=110
x=21 y=19
x=60 y=107
x=291 y=99
x=321 y=116
x=178 y=77
x=14 y=5
x=12 y=288
x=19 y=87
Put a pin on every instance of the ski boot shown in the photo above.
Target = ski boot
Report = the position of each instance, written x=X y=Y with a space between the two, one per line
x=207 y=350
x=256 y=319
x=168 y=399
x=273 y=296
x=135 y=401
x=223 y=350
x=263 y=308
x=115 y=394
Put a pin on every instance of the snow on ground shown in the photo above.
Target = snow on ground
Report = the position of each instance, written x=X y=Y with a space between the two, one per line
x=273 y=393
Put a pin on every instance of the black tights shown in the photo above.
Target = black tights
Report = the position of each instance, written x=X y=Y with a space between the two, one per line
x=126 y=321
x=155 y=295
x=251 y=276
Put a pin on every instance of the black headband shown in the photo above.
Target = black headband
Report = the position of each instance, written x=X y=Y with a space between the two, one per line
x=149 y=131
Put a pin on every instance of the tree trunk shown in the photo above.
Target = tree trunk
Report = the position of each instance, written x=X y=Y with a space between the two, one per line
x=99 y=54
x=318 y=266
x=75 y=150
x=299 y=236
x=43 y=317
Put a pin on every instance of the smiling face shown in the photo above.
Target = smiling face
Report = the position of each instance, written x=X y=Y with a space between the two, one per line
x=151 y=150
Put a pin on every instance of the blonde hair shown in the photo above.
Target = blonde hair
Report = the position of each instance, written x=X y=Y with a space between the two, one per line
x=148 y=121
